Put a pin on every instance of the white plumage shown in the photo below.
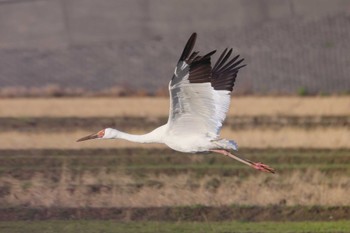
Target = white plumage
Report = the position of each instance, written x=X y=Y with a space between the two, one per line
x=200 y=97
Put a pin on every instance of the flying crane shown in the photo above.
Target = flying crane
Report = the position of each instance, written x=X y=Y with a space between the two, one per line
x=200 y=97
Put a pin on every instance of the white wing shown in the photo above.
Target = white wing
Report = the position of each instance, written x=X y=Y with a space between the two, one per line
x=199 y=95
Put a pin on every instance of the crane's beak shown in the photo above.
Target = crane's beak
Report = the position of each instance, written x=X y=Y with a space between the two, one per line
x=100 y=134
x=91 y=136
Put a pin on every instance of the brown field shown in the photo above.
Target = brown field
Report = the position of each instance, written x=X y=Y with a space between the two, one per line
x=119 y=174
x=155 y=107
x=47 y=182
x=28 y=130
x=106 y=189
x=157 y=177
x=288 y=137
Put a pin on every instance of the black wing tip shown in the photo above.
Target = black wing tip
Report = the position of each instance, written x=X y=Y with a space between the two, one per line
x=188 y=47
x=209 y=54
x=225 y=71
x=224 y=63
x=241 y=66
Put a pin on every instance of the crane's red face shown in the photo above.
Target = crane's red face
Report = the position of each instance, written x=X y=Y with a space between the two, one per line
x=100 y=134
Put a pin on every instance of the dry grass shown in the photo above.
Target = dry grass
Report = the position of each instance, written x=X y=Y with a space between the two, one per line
x=107 y=189
x=155 y=107
x=267 y=138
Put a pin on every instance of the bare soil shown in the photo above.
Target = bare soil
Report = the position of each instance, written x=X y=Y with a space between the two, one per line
x=159 y=107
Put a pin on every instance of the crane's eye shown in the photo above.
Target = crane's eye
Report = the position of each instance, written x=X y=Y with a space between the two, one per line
x=101 y=134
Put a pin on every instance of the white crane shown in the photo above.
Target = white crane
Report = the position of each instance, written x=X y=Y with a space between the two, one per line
x=199 y=100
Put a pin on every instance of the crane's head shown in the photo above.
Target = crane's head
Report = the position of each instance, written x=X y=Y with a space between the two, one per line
x=102 y=134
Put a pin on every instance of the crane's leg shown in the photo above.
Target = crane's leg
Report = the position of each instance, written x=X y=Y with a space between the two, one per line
x=258 y=166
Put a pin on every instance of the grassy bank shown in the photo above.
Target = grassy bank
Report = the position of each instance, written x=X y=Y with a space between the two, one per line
x=93 y=226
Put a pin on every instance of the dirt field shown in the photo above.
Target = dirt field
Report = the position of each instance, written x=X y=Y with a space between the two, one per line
x=45 y=174
x=159 y=190
x=256 y=138
x=156 y=178
x=119 y=189
x=155 y=107
x=257 y=122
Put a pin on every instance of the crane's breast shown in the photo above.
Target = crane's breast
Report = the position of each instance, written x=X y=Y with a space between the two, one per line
x=189 y=143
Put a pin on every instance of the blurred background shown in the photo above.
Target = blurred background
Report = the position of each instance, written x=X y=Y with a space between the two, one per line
x=69 y=68
x=291 y=47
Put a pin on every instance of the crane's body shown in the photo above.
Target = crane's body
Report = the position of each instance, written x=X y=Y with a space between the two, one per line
x=200 y=97
x=194 y=142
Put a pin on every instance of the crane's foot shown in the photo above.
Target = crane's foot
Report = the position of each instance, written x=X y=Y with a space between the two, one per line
x=259 y=166
x=262 y=167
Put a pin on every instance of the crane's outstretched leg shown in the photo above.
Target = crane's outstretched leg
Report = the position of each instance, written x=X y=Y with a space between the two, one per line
x=258 y=166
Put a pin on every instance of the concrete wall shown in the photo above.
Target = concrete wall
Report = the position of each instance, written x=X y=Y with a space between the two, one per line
x=96 y=44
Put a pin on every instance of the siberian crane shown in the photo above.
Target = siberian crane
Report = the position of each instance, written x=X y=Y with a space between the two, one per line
x=200 y=97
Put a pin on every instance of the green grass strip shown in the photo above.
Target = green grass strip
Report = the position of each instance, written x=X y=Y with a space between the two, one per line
x=93 y=226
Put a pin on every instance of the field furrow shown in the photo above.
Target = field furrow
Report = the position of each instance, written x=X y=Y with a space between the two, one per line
x=64 y=124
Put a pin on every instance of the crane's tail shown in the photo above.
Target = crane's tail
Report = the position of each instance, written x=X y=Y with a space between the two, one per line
x=233 y=144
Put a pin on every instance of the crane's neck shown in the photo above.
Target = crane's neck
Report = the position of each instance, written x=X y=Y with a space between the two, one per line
x=152 y=137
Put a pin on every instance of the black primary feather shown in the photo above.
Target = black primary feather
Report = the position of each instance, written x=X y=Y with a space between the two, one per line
x=221 y=77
